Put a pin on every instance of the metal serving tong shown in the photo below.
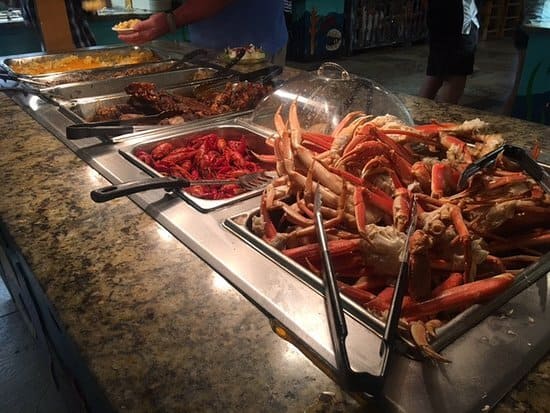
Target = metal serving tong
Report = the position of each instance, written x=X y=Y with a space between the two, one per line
x=350 y=380
x=188 y=57
x=111 y=128
x=223 y=75
x=515 y=153
x=250 y=182
x=21 y=80
x=25 y=86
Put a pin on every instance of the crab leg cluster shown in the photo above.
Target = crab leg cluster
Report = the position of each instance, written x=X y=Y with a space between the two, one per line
x=368 y=170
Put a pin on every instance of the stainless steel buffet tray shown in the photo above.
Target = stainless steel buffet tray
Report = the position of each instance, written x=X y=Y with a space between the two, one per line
x=255 y=141
x=241 y=225
x=84 y=109
x=160 y=61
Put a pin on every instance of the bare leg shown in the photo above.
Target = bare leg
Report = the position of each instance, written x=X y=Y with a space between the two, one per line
x=453 y=89
x=509 y=104
x=430 y=87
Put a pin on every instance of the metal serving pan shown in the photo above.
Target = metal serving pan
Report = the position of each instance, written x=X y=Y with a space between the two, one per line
x=255 y=142
x=81 y=111
x=84 y=109
x=241 y=226
x=160 y=61
x=163 y=80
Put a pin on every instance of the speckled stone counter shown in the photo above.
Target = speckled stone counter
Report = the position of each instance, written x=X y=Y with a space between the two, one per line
x=157 y=328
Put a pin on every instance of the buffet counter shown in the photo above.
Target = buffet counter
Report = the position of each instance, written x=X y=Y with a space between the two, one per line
x=143 y=324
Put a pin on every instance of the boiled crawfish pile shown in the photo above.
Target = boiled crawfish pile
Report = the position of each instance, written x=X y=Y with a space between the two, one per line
x=205 y=157
x=467 y=246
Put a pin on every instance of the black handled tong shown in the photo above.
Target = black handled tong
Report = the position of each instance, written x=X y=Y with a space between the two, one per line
x=515 y=153
x=109 y=129
x=185 y=60
x=112 y=128
x=349 y=379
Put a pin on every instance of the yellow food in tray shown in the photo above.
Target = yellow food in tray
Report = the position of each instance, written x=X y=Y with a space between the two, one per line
x=74 y=62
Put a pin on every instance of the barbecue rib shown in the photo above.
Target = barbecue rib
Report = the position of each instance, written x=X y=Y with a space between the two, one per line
x=146 y=99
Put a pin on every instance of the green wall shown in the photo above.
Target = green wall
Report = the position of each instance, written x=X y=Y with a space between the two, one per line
x=15 y=38
x=533 y=98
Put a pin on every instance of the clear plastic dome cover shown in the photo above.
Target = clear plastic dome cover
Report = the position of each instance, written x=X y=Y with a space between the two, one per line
x=324 y=97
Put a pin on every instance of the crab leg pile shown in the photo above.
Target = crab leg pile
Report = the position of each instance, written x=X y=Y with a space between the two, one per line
x=467 y=247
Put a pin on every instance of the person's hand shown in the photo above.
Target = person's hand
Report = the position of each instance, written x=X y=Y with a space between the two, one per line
x=147 y=30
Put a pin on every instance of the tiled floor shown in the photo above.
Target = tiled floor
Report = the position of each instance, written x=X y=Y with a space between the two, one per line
x=402 y=69
x=25 y=383
x=24 y=376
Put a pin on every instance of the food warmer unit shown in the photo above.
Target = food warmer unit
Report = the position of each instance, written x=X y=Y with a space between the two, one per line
x=79 y=92
x=491 y=345
x=42 y=72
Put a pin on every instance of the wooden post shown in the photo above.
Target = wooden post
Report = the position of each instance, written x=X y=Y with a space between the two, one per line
x=54 y=25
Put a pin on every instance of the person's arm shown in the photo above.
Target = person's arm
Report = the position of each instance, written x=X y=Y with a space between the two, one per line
x=158 y=24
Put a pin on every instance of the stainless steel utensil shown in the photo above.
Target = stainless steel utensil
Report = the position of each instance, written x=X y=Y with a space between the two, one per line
x=101 y=131
x=188 y=57
x=249 y=182
x=13 y=78
x=108 y=129
x=515 y=153
x=370 y=383
x=224 y=72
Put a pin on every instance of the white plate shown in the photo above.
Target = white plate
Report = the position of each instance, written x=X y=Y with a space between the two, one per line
x=124 y=31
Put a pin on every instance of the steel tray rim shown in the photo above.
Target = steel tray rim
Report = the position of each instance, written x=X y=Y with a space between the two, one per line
x=49 y=79
x=202 y=205
x=446 y=335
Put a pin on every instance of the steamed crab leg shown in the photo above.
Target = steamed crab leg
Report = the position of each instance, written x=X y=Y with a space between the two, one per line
x=367 y=170
x=459 y=297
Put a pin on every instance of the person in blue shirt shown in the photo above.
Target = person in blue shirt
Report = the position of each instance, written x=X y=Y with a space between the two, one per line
x=217 y=24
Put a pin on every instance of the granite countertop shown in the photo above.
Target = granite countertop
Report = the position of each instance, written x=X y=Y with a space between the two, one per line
x=158 y=329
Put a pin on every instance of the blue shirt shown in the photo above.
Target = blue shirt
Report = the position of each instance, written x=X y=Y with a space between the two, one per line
x=244 y=22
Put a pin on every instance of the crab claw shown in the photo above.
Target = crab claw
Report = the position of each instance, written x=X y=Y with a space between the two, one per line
x=280 y=125
x=346 y=120
x=419 y=332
